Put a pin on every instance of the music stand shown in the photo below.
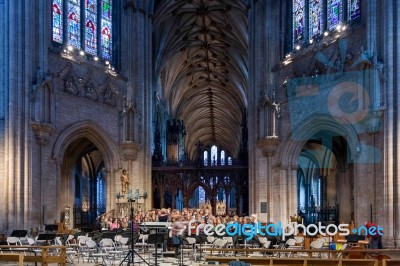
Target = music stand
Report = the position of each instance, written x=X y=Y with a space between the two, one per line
x=201 y=239
x=51 y=228
x=46 y=237
x=19 y=233
x=155 y=239
x=182 y=241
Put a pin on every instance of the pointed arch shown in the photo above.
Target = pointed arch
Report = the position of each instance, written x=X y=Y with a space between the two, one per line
x=92 y=131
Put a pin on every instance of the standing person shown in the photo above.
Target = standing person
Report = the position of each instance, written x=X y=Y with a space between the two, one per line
x=178 y=226
x=375 y=238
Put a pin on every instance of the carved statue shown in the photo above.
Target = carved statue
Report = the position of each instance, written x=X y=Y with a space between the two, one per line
x=124 y=182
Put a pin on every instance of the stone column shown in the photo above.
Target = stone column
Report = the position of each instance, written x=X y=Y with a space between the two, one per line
x=137 y=67
x=391 y=147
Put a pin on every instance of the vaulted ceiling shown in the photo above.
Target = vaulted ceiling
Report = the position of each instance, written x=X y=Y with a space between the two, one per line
x=200 y=49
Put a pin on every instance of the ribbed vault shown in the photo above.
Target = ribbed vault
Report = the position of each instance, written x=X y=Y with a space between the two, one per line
x=201 y=57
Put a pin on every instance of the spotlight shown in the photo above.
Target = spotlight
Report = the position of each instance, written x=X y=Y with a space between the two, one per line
x=326 y=33
x=95 y=58
x=82 y=53
x=70 y=48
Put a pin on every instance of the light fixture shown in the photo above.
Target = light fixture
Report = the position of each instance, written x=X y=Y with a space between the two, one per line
x=82 y=53
x=298 y=47
x=288 y=55
x=326 y=33
x=338 y=27
x=107 y=62
x=95 y=58
x=70 y=48
x=311 y=41
x=344 y=27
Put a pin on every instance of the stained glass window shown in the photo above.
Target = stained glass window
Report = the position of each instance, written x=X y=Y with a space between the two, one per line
x=202 y=195
x=57 y=21
x=334 y=11
x=298 y=21
x=90 y=26
x=354 y=10
x=214 y=152
x=73 y=22
x=229 y=161
x=316 y=18
x=86 y=25
x=106 y=33
x=310 y=18
x=222 y=157
x=205 y=162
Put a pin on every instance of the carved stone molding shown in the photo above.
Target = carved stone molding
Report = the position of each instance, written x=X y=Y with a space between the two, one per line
x=42 y=131
x=372 y=121
x=269 y=146
x=130 y=149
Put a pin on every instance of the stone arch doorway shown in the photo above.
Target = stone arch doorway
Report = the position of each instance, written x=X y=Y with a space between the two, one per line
x=88 y=181
x=87 y=173
x=325 y=180
x=319 y=159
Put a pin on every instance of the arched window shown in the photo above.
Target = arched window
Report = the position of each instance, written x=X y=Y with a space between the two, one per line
x=229 y=160
x=202 y=195
x=334 y=13
x=353 y=9
x=85 y=25
x=214 y=155
x=205 y=162
x=310 y=18
x=222 y=157
x=315 y=19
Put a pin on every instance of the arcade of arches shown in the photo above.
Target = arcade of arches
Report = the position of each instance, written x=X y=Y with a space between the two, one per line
x=272 y=108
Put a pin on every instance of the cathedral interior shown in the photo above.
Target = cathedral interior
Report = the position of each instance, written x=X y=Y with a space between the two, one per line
x=273 y=108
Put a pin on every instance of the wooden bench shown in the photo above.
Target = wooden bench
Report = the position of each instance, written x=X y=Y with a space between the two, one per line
x=390 y=262
x=44 y=258
x=12 y=257
x=294 y=261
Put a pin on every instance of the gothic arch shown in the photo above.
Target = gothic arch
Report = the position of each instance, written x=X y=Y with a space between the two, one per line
x=293 y=143
x=92 y=131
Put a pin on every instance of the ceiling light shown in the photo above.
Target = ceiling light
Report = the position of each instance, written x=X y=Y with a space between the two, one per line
x=82 y=53
x=95 y=58
x=344 y=27
x=326 y=33
x=70 y=48
x=298 y=47
x=107 y=62
x=311 y=40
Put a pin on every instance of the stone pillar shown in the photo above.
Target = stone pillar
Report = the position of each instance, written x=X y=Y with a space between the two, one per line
x=18 y=41
x=136 y=65
x=391 y=147
x=263 y=19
